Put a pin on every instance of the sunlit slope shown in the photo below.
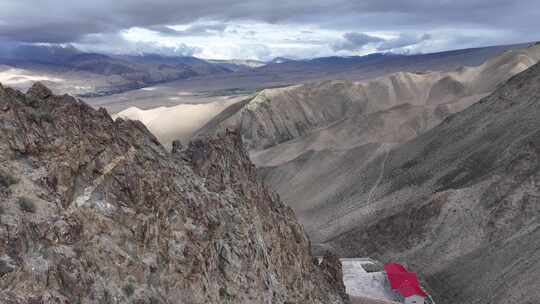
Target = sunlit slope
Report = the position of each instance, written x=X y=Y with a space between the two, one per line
x=176 y=122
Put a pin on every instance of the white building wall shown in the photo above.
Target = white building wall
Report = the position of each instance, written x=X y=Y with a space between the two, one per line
x=414 y=300
x=358 y=282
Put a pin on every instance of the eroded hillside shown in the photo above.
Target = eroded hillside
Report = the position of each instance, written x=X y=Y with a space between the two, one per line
x=461 y=202
x=310 y=141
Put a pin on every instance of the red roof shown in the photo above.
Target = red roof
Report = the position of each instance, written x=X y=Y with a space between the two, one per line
x=408 y=288
x=406 y=283
x=396 y=279
x=394 y=268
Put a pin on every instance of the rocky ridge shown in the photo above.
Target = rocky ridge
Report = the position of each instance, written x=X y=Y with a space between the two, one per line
x=97 y=211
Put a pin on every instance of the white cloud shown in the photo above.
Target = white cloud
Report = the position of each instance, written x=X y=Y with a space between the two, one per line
x=124 y=44
x=238 y=40
x=248 y=39
x=356 y=41
x=300 y=28
x=402 y=41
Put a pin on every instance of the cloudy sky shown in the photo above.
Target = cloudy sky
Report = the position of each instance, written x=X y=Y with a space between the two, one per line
x=264 y=29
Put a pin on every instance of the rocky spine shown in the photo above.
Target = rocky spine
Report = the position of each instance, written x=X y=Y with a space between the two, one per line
x=97 y=211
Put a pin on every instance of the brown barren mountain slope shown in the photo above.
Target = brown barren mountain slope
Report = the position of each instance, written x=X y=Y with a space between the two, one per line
x=460 y=203
x=311 y=140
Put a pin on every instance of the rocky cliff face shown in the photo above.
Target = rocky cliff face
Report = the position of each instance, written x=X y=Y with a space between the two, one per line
x=96 y=211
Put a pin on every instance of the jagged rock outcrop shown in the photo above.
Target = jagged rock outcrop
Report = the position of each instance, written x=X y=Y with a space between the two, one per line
x=333 y=270
x=97 y=211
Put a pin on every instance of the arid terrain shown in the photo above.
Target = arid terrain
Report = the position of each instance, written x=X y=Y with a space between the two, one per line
x=319 y=135
x=460 y=202
x=119 y=82
x=439 y=177
x=269 y=152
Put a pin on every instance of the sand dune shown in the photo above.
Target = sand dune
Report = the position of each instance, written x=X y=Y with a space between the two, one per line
x=23 y=78
x=177 y=122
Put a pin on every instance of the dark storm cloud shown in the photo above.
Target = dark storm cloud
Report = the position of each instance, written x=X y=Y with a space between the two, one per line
x=68 y=21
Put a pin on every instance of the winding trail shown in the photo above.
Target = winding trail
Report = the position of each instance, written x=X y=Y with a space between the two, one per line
x=381 y=174
x=338 y=215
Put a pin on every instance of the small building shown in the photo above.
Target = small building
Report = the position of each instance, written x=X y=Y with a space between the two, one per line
x=405 y=283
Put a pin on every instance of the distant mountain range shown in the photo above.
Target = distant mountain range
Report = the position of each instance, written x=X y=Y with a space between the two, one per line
x=135 y=71
x=238 y=65
x=102 y=74
x=377 y=64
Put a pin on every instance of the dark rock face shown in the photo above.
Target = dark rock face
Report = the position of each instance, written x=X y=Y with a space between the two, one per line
x=96 y=211
x=333 y=270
